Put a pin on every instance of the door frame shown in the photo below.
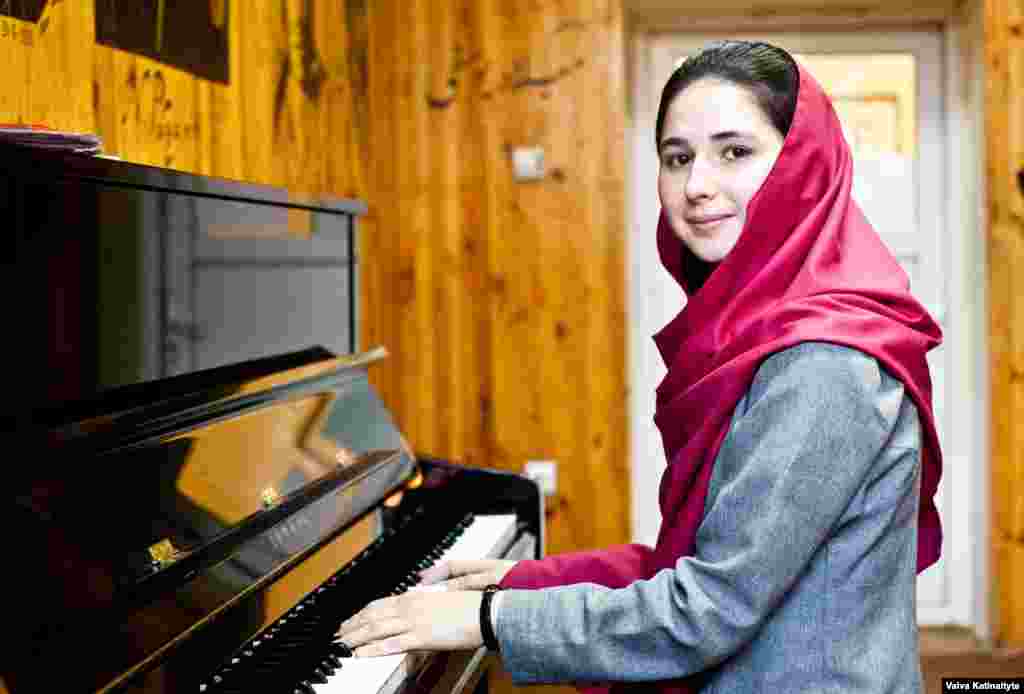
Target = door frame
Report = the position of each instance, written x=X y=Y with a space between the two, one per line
x=967 y=593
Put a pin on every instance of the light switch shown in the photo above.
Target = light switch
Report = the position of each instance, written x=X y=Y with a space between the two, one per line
x=545 y=474
x=528 y=163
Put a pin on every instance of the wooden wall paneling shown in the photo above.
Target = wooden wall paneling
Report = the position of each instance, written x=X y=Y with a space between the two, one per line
x=266 y=136
x=518 y=430
x=415 y=339
x=357 y=25
x=470 y=244
x=558 y=311
x=378 y=230
x=340 y=119
x=60 y=78
x=454 y=104
x=219 y=110
x=16 y=58
x=607 y=339
x=447 y=301
x=428 y=401
x=1009 y=577
x=1006 y=231
x=386 y=200
x=1009 y=470
x=1005 y=254
x=1015 y=109
x=1013 y=192
x=156 y=120
x=578 y=119
x=487 y=110
x=997 y=101
x=48 y=65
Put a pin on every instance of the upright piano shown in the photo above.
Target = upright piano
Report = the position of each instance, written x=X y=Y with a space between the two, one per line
x=208 y=532
x=201 y=483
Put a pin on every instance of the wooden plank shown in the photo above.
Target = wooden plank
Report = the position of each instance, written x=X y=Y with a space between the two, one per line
x=1008 y=471
x=1002 y=118
x=997 y=101
x=1009 y=577
x=1004 y=253
x=48 y=66
x=607 y=436
x=513 y=246
x=341 y=135
x=15 y=57
x=219 y=109
x=382 y=278
x=440 y=240
x=471 y=241
x=1014 y=183
x=59 y=80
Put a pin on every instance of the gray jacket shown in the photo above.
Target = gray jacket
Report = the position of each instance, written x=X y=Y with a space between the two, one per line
x=803 y=578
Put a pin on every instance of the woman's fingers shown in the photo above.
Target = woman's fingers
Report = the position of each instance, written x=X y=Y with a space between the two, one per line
x=374 y=630
x=419 y=620
x=467 y=574
x=377 y=612
x=473 y=581
x=402 y=643
x=436 y=573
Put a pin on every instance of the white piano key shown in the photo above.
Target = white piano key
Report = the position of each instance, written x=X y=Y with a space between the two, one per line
x=486 y=537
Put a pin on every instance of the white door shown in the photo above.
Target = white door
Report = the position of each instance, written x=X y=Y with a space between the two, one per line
x=888 y=91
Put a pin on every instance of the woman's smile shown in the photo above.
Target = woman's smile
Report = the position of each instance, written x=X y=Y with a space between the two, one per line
x=705 y=224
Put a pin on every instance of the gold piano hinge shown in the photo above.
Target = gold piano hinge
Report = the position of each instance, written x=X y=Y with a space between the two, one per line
x=270 y=497
x=164 y=553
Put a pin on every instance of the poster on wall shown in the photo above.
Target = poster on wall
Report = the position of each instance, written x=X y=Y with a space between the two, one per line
x=191 y=35
x=25 y=10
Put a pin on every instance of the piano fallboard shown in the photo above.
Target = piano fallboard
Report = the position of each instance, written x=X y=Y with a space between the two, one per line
x=169 y=533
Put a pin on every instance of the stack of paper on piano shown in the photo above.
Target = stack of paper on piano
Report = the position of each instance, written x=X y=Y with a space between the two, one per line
x=44 y=137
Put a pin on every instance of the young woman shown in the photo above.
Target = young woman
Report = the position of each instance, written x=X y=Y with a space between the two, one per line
x=796 y=418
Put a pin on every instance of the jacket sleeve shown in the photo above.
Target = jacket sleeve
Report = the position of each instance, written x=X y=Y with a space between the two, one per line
x=800 y=445
x=613 y=567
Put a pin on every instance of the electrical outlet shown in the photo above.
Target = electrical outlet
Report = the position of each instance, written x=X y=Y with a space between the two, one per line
x=545 y=474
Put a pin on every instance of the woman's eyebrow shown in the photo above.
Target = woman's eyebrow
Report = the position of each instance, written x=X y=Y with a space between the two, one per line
x=674 y=142
x=730 y=135
x=716 y=137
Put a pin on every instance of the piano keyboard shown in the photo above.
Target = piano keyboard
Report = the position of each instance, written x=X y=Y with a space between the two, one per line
x=297 y=654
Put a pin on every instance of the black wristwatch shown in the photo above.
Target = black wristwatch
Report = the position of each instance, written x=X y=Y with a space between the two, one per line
x=486 y=628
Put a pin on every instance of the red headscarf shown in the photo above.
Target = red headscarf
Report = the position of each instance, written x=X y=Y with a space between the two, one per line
x=807 y=266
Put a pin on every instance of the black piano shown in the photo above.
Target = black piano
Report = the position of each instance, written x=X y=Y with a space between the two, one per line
x=205 y=530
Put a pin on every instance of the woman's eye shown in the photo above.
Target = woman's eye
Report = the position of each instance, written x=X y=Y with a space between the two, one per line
x=736 y=152
x=676 y=160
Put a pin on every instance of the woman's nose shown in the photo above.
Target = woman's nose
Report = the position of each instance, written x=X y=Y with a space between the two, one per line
x=701 y=181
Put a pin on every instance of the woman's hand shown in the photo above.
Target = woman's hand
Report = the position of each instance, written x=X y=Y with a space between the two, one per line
x=467 y=574
x=419 y=620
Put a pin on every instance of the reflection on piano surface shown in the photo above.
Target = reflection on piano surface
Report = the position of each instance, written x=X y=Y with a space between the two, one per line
x=208 y=532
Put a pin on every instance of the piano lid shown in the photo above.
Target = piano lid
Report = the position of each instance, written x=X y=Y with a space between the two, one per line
x=145 y=512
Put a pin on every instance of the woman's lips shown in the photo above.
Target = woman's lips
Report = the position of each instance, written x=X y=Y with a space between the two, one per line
x=707 y=222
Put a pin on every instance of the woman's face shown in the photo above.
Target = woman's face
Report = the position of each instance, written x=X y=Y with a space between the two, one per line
x=717 y=147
